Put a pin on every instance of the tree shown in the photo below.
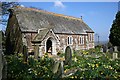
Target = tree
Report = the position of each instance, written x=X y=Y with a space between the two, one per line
x=2 y=41
x=4 y=6
x=114 y=36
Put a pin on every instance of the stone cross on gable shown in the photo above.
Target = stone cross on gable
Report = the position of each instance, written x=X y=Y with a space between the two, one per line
x=81 y=17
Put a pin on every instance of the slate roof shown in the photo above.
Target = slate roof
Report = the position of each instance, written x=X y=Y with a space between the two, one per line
x=30 y=19
x=40 y=35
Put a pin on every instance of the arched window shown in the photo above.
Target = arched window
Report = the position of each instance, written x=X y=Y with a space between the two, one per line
x=90 y=37
x=81 y=39
x=70 y=40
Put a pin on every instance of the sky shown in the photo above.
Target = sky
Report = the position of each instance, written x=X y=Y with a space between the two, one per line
x=60 y=0
x=97 y=15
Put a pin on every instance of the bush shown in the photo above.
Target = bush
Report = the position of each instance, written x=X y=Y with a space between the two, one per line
x=17 y=69
x=87 y=67
x=97 y=68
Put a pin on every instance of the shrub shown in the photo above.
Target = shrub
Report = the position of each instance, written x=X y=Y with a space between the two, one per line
x=87 y=67
x=17 y=69
x=97 y=68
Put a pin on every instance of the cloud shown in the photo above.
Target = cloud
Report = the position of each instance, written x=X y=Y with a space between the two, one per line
x=22 y=5
x=59 y=4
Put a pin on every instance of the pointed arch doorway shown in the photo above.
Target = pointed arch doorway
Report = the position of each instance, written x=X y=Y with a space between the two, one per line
x=51 y=46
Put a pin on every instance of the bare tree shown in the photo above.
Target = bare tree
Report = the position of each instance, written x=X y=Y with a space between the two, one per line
x=4 y=6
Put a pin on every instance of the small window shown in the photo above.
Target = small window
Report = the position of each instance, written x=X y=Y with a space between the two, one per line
x=81 y=39
x=90 y=37
x=70 y=40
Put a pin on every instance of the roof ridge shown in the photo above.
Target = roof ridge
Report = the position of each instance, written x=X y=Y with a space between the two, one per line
x=52 y=13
